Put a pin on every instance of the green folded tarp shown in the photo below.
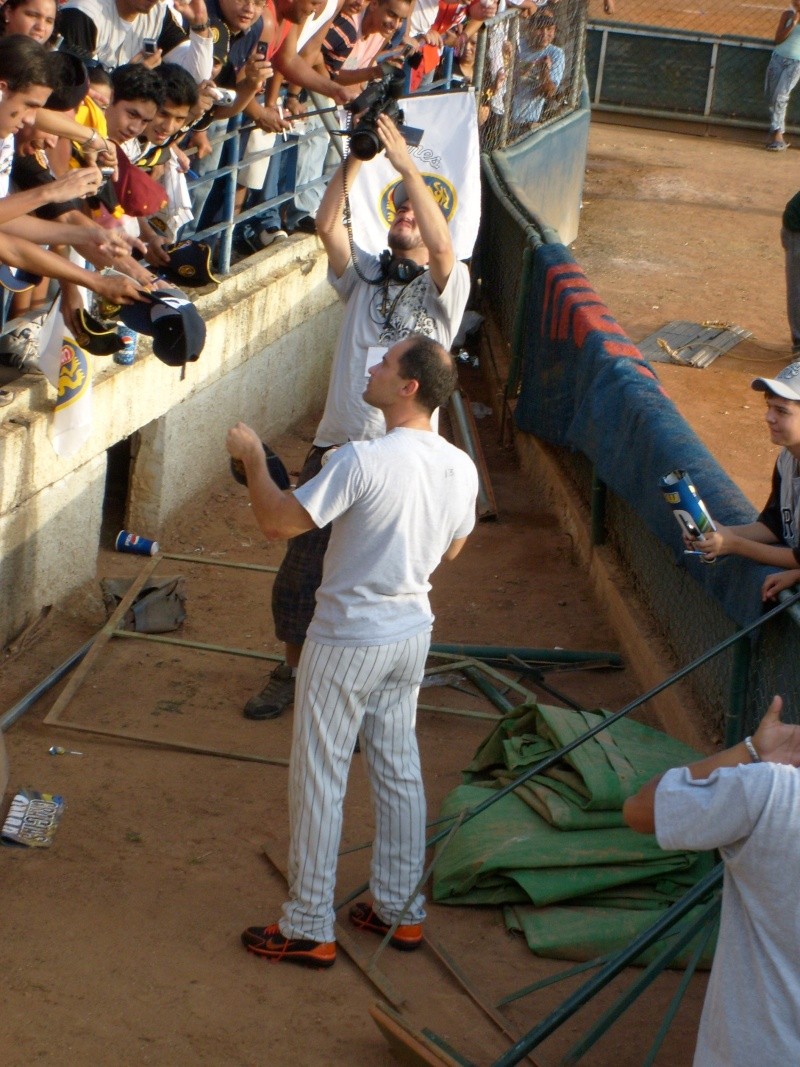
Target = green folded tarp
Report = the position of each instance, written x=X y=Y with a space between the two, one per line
x=556 y=852
x=509 y=853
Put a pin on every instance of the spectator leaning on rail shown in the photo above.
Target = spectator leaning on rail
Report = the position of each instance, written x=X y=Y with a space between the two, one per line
x=348 y=51
x=237 y=26
x=39 y=163
x=280 y=23
x=745 y=802
x=113 y=32
x=774 y=538
x=25 y=86
x=782 y=74
x=399 y=505
x=418 y=286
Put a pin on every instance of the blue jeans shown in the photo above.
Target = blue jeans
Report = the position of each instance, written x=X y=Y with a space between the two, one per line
x=781 y=77
x=280 y=179
x=208 y=199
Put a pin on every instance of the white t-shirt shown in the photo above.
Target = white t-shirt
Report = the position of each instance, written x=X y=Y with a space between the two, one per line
x=314 y=23
x=119 y=41
x=423 y=17
x=396 y=503
x=379 y=316
x=751 y=813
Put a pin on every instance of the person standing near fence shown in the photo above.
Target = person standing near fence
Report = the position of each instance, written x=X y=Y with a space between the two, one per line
x=782 y=75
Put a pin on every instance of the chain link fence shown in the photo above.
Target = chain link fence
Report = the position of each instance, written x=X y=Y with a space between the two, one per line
x=706 y=62
x=712 y=17
x=733 y=688
x=529 y=71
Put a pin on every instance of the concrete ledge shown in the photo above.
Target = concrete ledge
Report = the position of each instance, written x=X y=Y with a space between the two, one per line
x=271 y=328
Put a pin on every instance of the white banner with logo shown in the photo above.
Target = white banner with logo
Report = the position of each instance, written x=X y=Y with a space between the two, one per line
x=448 y=157
x=69 y=369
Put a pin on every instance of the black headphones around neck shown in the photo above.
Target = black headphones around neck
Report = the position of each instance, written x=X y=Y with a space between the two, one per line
x=401 y=271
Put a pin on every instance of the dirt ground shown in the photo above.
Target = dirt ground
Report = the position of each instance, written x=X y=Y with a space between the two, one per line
x=121 y=942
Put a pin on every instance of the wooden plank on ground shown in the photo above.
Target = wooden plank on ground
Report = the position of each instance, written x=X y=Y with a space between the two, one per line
x=410 y=1046
x=100 y=642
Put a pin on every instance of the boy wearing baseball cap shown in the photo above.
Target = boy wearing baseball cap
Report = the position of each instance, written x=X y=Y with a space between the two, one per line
x=774 y=537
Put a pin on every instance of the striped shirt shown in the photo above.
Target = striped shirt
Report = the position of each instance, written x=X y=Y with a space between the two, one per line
x=338 y=43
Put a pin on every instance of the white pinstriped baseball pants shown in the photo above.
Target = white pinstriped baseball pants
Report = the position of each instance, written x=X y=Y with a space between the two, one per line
x=341 y=691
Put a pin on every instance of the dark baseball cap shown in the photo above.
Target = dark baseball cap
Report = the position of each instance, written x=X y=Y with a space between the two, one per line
x=174 y=323
x=189 y=264
x=99 y=338
x=275 y=466
x=17 y=280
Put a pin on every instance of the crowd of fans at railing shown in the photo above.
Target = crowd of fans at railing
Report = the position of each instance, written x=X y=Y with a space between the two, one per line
x=120 y=121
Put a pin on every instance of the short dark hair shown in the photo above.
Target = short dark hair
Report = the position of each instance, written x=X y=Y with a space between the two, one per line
x=98 y=75
x=180 y=88
x=24 y=62
x=136 y=82
x=432 y=368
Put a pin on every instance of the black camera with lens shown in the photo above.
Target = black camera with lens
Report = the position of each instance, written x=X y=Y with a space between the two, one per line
x=379 y=98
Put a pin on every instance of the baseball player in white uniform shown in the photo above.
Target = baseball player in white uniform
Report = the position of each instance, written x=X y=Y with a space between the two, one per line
x=399 y=504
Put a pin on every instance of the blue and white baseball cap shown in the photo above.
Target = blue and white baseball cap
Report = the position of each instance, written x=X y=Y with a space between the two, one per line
x=786 y=385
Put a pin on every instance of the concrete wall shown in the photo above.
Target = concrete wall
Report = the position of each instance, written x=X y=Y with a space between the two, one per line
x=271 y=326
x=544 y=171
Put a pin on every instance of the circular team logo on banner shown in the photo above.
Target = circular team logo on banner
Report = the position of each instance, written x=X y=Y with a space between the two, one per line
x=74 y=376
x=443 y=193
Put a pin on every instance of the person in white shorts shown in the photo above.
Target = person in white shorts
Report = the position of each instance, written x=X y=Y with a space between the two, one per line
x=398 y=505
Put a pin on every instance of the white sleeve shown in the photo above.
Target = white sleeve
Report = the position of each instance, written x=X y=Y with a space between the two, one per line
x=335 y=489
x=705 y=813
x=195 y=55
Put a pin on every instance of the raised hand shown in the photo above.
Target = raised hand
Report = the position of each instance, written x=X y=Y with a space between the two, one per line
x=776 y=741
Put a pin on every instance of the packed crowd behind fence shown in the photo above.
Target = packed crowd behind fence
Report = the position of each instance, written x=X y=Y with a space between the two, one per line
x=218 y=123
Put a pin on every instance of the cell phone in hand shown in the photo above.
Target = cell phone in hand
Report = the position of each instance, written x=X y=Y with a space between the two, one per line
x=149 y=46
x=261 y=49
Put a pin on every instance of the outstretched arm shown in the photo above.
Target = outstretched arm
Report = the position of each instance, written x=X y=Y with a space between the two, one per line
x=774 y=742
x=753 y=541
x=278 y=513
x=331 y=229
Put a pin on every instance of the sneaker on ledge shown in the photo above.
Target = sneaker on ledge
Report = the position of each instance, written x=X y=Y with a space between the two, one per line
x=272 y=234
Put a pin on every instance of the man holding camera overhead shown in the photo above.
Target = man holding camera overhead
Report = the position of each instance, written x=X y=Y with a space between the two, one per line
x=417 y=286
